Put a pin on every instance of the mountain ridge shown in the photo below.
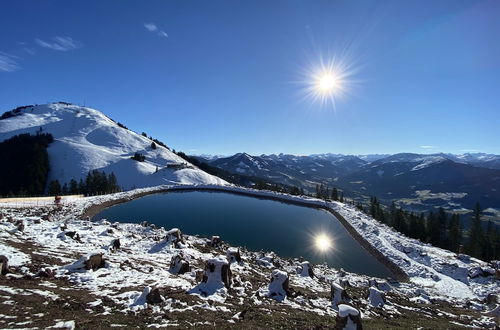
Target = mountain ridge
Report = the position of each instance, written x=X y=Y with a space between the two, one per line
x=86 y=139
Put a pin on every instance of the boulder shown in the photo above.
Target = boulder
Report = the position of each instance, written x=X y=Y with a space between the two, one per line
x=305 y=269
x=338 y=295
x=179 y=265
x=233 y=255
x=145 y=224
x=279 y=287
x=4 y=265
x=348 y=318
x=174 y=236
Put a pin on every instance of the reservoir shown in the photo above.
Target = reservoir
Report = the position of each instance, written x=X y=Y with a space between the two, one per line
x=258 y=224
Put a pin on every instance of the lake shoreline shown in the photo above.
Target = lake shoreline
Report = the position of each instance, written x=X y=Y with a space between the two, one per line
x=398 y=273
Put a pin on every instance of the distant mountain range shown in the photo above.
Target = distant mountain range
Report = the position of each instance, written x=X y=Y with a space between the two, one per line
x=416 y=181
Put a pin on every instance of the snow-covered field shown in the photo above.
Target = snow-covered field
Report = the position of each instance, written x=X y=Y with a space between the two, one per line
x=443 y=286
x=85 y=139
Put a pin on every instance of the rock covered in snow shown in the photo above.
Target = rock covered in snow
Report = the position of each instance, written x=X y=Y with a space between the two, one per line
x=216 y=279
x=92 y=261
x=174 y=237
x=279 y=287
x=348 y=318
x=233 y=254
x=215 y=242
x=217 y=270
x=338 y=295
x=376 y=298
x=305 y=269
x=179 y=264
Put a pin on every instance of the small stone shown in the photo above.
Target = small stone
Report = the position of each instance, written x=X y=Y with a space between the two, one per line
x=179 y=265
x=215 y=241
x=95 y=262
x=154 y=297
x=4 y=265
x=115 y=245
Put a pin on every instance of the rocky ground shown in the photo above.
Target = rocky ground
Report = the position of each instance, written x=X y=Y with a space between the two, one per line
x=67 y=272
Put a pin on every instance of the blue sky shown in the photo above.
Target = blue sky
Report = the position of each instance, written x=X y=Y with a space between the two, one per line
x=221 y=77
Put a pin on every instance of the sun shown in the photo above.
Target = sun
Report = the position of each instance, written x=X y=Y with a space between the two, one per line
x=322 y=242
x=327 y=82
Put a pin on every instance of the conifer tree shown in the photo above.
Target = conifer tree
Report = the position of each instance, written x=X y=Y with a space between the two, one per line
x=54 y=187
x=474 y=245
x=335 y=194
x=73 y=187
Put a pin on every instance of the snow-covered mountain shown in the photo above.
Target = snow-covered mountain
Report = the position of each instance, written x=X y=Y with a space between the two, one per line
x=477 y=159
x=305 y=171
x=85 y=139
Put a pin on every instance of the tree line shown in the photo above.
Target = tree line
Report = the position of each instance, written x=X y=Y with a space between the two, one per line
x=441 y=229
x=96 y=183
x=25 y=164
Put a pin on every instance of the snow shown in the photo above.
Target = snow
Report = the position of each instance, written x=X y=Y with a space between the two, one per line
x=85 y=139
x=14 y=256
x=130 y=272
x=68 y=325
x=346 y=310
x=427 y=161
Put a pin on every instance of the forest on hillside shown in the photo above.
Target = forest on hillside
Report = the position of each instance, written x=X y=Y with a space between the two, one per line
x=25 y=164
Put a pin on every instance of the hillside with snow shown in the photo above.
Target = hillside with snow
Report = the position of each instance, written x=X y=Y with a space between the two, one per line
x=85 y=139
x=64 y=268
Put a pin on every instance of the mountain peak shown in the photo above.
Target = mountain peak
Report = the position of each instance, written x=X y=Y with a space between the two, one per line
x=86 y=139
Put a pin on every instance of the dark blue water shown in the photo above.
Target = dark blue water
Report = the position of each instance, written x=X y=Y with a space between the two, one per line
x=258 y=224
